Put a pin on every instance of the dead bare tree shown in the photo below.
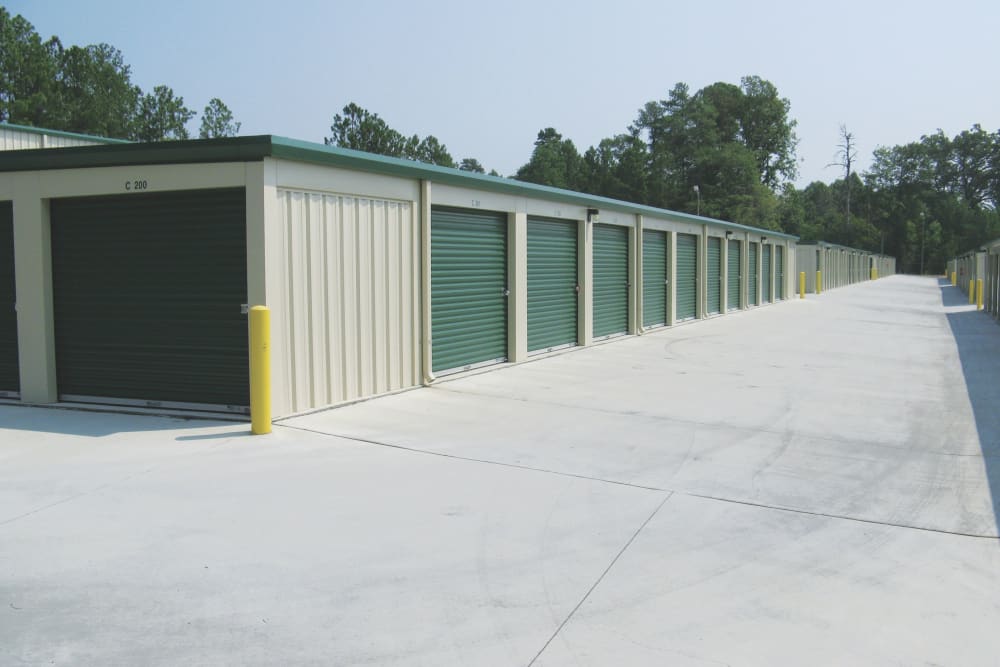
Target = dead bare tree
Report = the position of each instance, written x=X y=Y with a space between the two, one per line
x=846 y=153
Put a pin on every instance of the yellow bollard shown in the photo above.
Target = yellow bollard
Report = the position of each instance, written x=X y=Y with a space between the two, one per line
x=874 y=273
x=802 y=284
x=979 y=294
x=260 y=370
x=954 y=279
x=819 y=282
x=972 y=291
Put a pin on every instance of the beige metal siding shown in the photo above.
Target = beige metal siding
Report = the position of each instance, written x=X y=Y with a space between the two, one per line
x=12 y=139
x=351 y=297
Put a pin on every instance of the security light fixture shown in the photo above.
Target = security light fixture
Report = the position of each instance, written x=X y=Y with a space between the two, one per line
x=729 y=234
x=593 y=215
x=763 y=239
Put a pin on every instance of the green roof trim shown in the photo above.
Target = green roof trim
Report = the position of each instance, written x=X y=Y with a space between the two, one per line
x=30 y=129
x=256 y=148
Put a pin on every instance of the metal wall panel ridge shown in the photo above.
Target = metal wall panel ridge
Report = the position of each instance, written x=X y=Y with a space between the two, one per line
x=654 y=277
x=552 y=284
x=351 y=288
x=733 y=275
x=753 y=274
x=10 y=381
x=714 y=272
x=686 y=289
x=611 y=285
x=468 y=288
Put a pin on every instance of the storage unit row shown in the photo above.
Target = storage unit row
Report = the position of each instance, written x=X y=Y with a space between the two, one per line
x=839 y=265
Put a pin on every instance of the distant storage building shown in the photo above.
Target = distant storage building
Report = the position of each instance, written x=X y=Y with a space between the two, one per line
x=132 y=266
x=839 y=265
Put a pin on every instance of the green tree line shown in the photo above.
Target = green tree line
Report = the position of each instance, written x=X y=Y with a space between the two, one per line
x=726 y=151
x=89 y=89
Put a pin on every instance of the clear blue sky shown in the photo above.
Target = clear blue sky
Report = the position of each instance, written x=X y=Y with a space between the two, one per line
x=485 y=77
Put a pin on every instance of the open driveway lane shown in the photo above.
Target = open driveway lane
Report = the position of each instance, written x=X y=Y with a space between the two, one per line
x=814 y=482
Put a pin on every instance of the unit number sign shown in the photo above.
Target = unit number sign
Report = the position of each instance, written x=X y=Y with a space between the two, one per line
x=136 y=185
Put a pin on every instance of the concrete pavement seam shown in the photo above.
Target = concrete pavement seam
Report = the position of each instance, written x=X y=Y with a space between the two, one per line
x=75 y=496
x=597 y=583
x=456 y=457
x=589 y=478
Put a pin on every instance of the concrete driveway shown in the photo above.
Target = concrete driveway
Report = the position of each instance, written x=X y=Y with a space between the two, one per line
x=814 y=482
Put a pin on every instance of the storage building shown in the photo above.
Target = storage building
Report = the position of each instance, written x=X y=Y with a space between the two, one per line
x=839 y=265
x=134 y=264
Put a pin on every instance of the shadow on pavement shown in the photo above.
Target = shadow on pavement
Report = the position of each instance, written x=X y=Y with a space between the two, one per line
x=977 y=336
x=99 y=424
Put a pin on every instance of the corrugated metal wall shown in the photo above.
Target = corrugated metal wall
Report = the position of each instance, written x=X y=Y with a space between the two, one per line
x=12 y=139
x=352 y=297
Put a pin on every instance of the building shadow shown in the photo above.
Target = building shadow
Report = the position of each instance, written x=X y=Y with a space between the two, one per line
x=98 y=424
x=977 y=336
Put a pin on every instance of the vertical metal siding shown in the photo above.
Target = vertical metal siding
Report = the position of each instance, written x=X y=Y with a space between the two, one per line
x=734 y=276
x=351 y=305
x=611 y=285
x=752 y=275
x=714 y=275
x=10 y=381
x=654 y=277
x=686 y=289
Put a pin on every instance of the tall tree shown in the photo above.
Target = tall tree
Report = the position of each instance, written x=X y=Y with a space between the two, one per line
x=471 y=164
x=846 y=154
x=162 y=116
x=27 y=72
x=359 y=129
x=217 y=121
x=554 y=161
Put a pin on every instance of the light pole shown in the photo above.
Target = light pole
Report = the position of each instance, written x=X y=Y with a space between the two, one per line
x=697 y=192
x=923 y=233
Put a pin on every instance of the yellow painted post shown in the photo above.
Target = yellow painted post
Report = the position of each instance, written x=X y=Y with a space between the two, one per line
x=819 y=282
x=954 y=279
x=874 y=273
x=972 y=291
x=802 y=284
x=979 y=294
x=260 y=370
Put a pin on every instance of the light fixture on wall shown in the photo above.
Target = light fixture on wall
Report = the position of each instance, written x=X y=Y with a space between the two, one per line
x=763 y=239
x=593 y=215
x=729 y=234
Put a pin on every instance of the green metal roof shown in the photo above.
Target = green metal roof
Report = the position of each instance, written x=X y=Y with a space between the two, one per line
x=30 y=129
x=255 y=148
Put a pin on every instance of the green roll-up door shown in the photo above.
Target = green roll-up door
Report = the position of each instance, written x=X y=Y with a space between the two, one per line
x=714 y=275
x=752 y=274
x=779 y=271
x=654 y=277
x=147 y=295
x=468 y=288
x=10 y=381
x=765 y=273
x=610 y=280
x=686 y=289
x=734 y=264
x=552 y=284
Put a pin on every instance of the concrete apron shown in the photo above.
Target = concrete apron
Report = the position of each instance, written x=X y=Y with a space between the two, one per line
x=807 y=483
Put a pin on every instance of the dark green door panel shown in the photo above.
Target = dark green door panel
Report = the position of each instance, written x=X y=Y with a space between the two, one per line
x=734 y=264
x=714 y=275
x=468 y=288
x=610 y=280
x=765 y=273
x=147 y=290
x=753 y=274
x=10 y=381
x=779 y=271
x=552 y=284
x=654 y=277
x=686 y=289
